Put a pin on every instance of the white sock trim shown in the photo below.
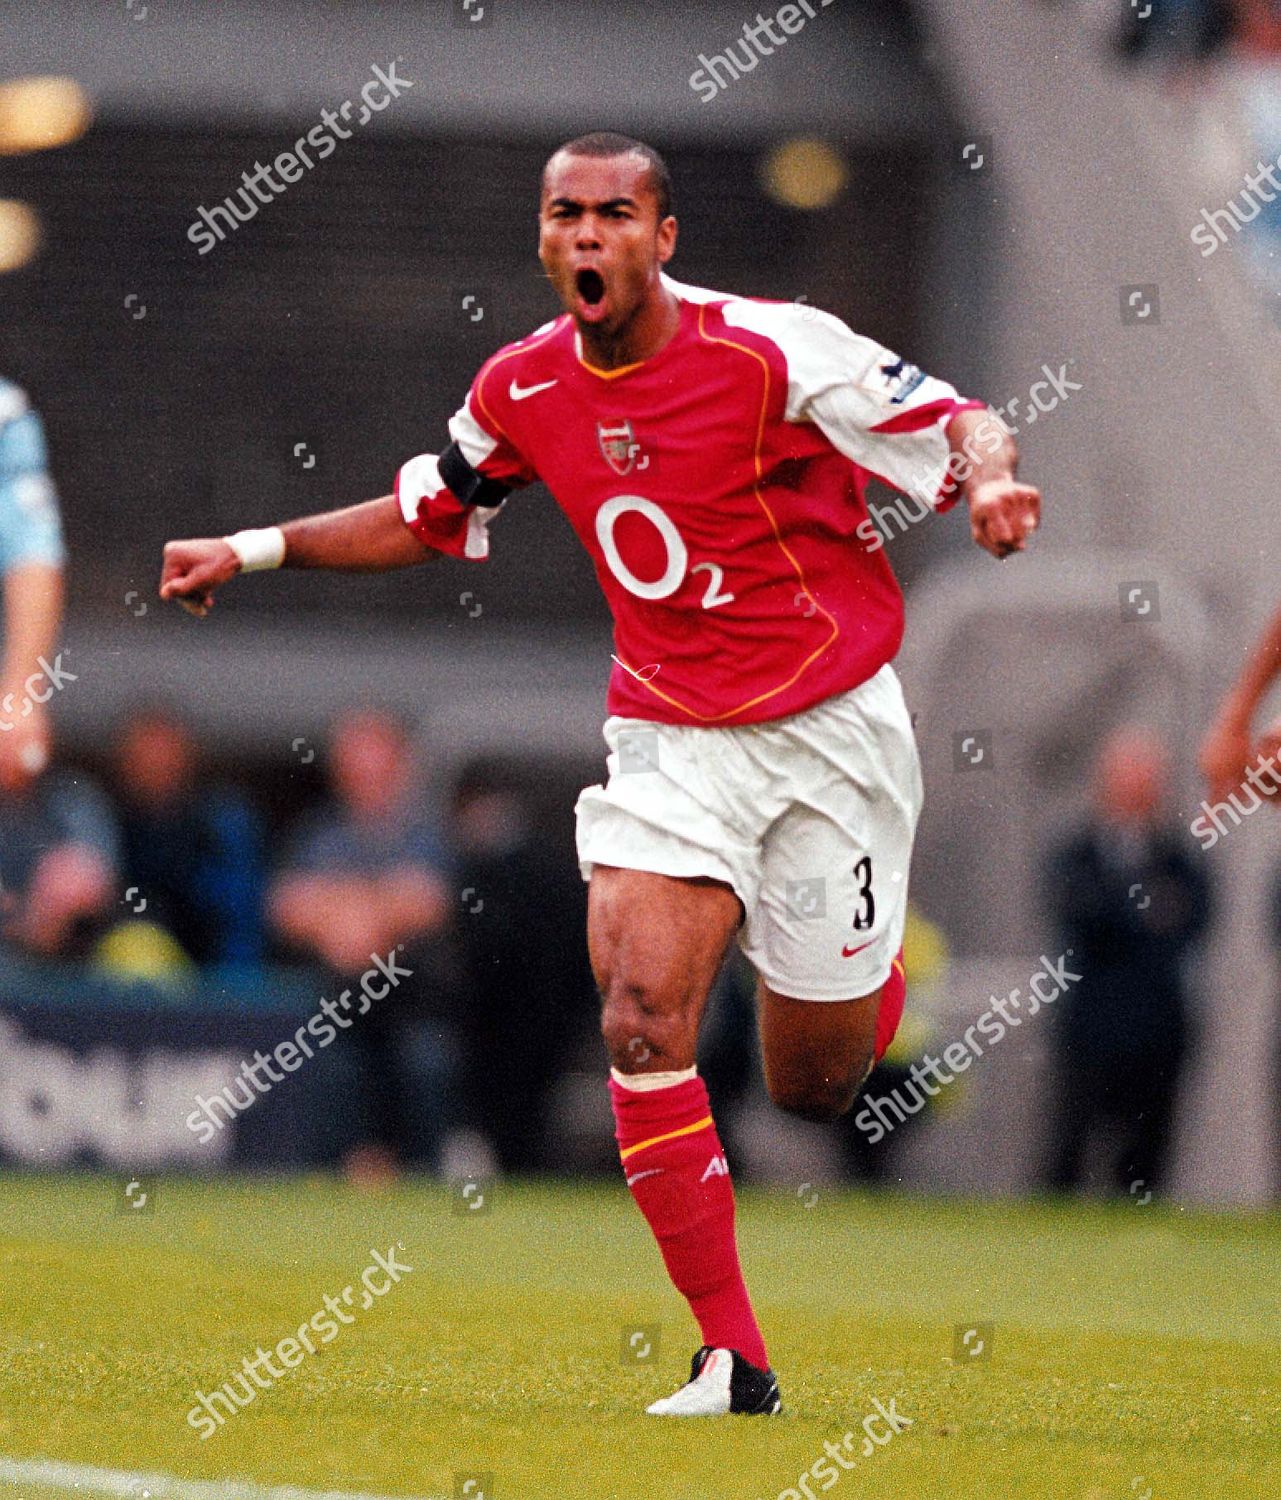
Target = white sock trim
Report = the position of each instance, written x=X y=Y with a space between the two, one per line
x=641 y=1082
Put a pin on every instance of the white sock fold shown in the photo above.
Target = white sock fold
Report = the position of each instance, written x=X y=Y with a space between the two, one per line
x=641 y=1082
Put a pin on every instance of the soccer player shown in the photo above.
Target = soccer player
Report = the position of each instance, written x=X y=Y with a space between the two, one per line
x=31 y=560
x=710 y=451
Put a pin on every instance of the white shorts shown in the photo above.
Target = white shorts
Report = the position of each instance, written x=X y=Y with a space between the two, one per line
x=809 y=819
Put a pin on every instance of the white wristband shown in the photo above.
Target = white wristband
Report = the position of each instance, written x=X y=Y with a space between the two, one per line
x=261 y=548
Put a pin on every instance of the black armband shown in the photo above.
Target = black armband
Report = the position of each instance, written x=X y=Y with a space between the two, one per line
x=467 y=484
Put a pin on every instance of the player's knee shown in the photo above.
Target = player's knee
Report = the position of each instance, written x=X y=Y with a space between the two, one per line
x=642 y=1026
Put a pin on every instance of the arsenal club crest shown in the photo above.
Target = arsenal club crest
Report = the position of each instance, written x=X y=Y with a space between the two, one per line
x=618 y=446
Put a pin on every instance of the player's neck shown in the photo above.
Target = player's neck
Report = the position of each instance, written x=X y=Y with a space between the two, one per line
x=652 y=326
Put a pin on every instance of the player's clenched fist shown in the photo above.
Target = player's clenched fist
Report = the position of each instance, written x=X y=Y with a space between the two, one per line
x=194 y=569
x=1003 y=512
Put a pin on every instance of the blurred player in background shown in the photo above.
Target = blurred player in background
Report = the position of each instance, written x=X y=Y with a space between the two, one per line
x=710 y=452
x=57 y=837
x=31 y=557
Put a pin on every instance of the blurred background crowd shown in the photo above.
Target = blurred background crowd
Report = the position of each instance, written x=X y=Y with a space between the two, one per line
x=163 y=868
x=330 y=768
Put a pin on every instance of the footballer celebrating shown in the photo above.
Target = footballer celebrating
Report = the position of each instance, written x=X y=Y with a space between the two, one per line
x=711 y=453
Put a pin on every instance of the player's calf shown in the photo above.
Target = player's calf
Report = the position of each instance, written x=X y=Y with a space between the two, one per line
x=819 y=1100
x=818 y=1053
x=678 y=1174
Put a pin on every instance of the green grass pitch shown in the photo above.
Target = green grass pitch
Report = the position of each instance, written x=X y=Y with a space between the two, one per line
x=1133 y=1354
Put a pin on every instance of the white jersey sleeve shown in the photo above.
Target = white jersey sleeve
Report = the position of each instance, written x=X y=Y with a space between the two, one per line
x=873 y=406
x=431 y=510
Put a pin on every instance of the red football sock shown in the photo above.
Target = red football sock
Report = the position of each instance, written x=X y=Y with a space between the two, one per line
x=890 y=1014
x=676 y=1169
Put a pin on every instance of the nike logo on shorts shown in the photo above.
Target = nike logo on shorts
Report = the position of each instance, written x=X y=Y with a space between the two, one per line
x=520 y=392
x=850 y=952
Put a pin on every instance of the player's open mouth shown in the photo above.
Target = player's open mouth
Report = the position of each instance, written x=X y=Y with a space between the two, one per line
x=590 y=286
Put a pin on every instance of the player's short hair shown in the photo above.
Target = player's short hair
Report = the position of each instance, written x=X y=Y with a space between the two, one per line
x=610 y=143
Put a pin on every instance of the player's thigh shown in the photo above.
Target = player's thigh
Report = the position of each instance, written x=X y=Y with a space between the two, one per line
x=828 y=918
x=816 y=1053
x=656 y=944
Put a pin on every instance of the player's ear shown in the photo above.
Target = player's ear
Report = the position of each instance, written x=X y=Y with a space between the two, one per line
x=667 y=230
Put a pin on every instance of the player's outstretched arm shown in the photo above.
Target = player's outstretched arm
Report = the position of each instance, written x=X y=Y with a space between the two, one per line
x=1227 y=749
x=1003 y=511
x=367 y=538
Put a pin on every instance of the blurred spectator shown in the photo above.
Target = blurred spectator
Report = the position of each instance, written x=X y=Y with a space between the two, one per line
x=1258 y=28
x=523 y=924
x=31 y=559
x=1130 y=897
x=1257 y=80
x=365 y=876
x=59 y=852
x=191 y=848
x=1184 y=30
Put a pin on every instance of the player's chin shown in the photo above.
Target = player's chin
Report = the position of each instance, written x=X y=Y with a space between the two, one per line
x=592 y=315
x=598 y=313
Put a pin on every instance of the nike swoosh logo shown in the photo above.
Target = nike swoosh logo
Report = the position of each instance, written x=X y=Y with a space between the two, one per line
x=520 y=392
x=850 y=952
x=653 y=1172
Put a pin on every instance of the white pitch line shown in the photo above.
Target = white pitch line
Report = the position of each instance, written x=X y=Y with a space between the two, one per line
x=83 y=1479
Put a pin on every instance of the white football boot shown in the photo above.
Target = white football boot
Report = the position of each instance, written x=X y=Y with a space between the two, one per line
x=721 y=1381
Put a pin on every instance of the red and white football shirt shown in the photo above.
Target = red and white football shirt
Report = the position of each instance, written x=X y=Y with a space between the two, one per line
x=718 y=487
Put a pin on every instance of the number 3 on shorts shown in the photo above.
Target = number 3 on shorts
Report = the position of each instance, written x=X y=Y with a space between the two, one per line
x=866 y=913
